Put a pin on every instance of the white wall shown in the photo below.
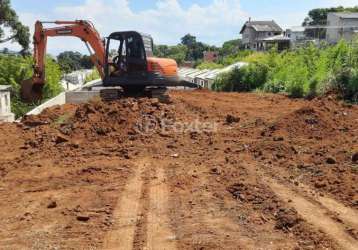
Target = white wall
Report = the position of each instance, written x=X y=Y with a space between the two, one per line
x=335 y=34
x=5 y=105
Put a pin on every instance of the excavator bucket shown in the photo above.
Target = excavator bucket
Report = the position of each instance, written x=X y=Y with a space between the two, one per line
x=30 y=91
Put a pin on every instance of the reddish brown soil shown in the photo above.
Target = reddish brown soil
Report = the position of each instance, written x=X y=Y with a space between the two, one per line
x=238 y=171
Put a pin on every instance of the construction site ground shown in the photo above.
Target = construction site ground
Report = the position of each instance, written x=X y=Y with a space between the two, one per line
x=207 y=171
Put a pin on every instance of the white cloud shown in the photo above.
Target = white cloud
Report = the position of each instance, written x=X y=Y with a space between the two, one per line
x=345 y=3
x=167 y=21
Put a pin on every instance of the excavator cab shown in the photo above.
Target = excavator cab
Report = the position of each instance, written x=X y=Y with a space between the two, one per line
x=129 y=63
x=126 y=62
x=125 y=54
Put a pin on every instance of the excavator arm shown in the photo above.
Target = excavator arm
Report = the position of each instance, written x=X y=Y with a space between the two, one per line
x=31 y=89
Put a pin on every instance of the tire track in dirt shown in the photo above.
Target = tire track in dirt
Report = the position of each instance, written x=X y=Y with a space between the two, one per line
x=200 y=221
x=141 y=220
x=159 y=234
x=346 y=214
x=314 y=215
x=126 y=214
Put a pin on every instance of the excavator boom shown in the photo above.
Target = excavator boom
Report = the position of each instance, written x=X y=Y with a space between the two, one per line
x=31 y=89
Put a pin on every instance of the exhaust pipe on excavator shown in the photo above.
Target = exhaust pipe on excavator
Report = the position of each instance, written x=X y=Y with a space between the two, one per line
x=31 y=90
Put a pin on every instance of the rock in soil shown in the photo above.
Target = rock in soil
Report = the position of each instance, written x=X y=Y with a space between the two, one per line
x=331 y=160
x=83 y=218
x=230 y=119
x=52 y=204
x=355 y=158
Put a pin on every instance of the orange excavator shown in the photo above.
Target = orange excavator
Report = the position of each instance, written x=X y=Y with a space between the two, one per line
x=123 y=59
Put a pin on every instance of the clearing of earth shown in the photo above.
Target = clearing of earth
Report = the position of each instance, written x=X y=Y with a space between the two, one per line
x=265 y=172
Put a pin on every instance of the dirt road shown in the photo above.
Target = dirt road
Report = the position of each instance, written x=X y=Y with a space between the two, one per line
x=209 y=171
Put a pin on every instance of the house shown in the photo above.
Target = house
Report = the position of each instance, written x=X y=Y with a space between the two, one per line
x=5 y=104
x=190 y=77
x=297 y=36
x=186 y=73
x=202 y=79
x=210 y=78
x=254 y=32
x=211 y=56
x=282 y=42
x=341 y=25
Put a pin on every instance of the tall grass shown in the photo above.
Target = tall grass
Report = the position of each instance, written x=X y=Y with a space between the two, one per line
x=305 y=72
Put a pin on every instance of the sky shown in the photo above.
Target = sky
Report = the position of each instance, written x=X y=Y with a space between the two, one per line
x=211 y=21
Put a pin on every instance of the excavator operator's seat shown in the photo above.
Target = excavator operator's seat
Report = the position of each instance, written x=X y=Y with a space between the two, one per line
x=126 y=53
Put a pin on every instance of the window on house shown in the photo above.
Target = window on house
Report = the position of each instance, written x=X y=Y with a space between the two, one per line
x=6 y=100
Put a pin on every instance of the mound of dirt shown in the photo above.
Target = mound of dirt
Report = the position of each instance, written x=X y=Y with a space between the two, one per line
x=119 y=120
x=305 y=122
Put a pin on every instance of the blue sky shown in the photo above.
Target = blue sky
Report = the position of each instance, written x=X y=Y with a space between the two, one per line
x=212 y=21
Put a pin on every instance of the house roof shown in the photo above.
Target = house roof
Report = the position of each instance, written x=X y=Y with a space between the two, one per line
x=277 y=38
x=205 y=74
x=262 y=26
x=186 y=70
x=196 y=73
x=296 y=29
x=213 y=74
x=346 y=15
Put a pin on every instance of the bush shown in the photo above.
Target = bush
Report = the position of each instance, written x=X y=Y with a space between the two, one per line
x=345 y=83
x=15 y=69
x=305 y=72
x=209 y=65
x=246 y=78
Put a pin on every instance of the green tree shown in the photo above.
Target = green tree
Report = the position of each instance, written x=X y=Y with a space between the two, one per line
x=188 y=40
x=195 y=49
x=161 y=50
x=176 y=52
x=69 y=61
x=18 y=32
x=86 y=62
x=231 y=47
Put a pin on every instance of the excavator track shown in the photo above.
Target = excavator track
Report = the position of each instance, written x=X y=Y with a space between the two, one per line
x=112 y=94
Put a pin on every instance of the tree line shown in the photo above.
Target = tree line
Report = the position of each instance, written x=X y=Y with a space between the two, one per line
x=191 y=50
x=70 y=61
